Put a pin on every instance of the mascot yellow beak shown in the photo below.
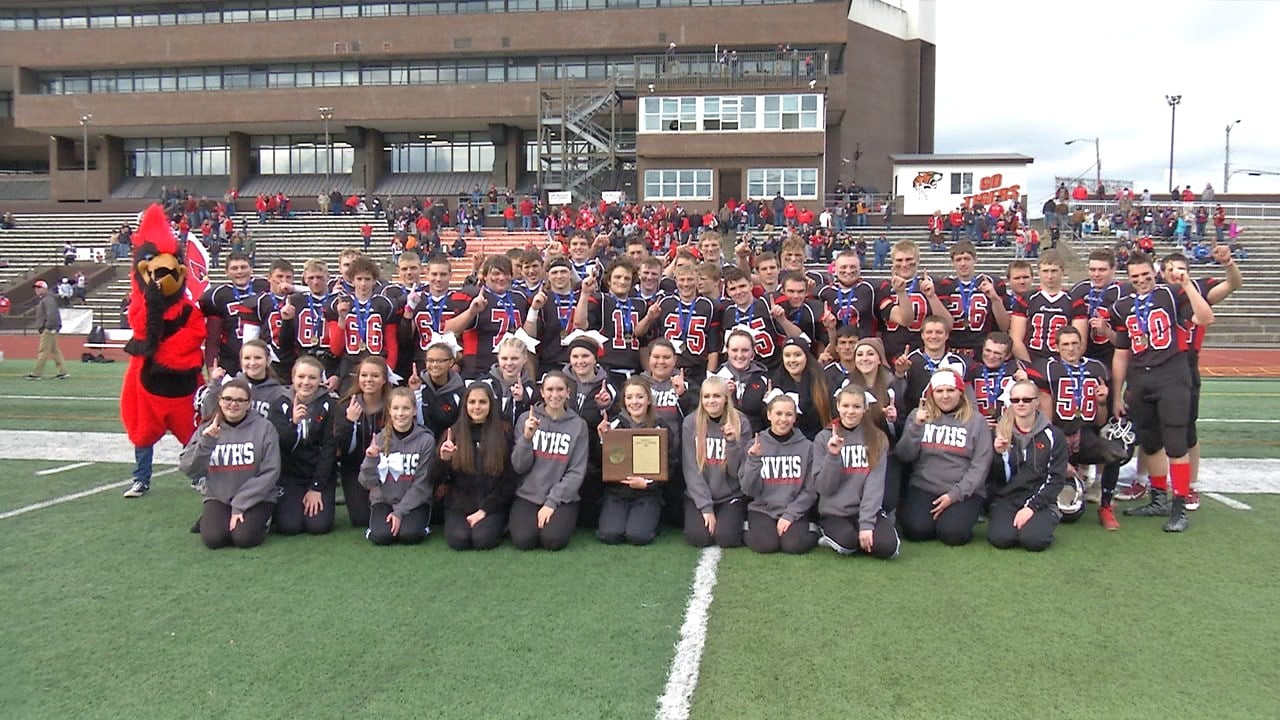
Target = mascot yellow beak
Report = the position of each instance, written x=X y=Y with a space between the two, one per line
x=165 y=273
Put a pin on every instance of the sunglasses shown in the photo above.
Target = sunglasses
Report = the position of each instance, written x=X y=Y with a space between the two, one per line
x=1022 y=400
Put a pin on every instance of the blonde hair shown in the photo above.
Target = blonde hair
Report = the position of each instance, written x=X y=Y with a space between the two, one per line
x=388 y=427
x=963 y=411
x=1004 y=426
x=872 y=436
x=702 y=419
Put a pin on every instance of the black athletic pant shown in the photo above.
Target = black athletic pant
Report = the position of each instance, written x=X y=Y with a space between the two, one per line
x=215 y=523
x=762 y=535
x=953 y=527
x=632 y=520
x=486 y=535
x=730 y=516
x=355 y=495
x=1035 y=535
x=844 y=532
x=290 y=519
x=895 y=476
x=413 y=526
x=525 y=533
x=1159 y=401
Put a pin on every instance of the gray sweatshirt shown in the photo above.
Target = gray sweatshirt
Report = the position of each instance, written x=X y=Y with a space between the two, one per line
x=48 y=316
x=948 y=456
x=717 y=482
x=241 y=466
x=779 y=479
x=398 y=476
x=847 y=485
x=551 y=466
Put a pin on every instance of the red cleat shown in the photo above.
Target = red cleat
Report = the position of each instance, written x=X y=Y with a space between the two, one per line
x=1107 y=518
x=1136 y=491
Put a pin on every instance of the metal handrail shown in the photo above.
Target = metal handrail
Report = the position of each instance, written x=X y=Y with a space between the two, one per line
x=1234 y=210
x=746 y=69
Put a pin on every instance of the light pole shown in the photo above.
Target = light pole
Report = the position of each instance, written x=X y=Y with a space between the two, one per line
x=1173 y=101
x=1097 y=159
x=326 y=114
x=85 y=121
x=1226 y=163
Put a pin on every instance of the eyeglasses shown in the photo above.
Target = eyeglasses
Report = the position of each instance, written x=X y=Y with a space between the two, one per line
x=235 y=401
x=439 y=361
x=1021 y=400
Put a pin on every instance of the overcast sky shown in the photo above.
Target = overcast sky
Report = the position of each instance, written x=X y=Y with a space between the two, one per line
x=1025 y=76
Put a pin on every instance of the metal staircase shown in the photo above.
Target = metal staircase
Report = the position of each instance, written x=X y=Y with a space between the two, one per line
x=581 y=145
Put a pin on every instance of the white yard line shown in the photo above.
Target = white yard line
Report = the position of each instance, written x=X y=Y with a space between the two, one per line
x=64 y=468
x=683 y=678
x=1242 y=421
x=76 y=496
x=1232 y=503
x=80 y=446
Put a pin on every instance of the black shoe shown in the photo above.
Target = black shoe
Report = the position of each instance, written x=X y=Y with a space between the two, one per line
x=1158 y=506
x=1177 y=521
x=195 y=527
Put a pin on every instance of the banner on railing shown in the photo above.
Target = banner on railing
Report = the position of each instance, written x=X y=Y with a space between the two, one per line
x=559 y=197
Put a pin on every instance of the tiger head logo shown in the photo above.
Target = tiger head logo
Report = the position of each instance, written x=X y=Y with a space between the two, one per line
x=926 y=180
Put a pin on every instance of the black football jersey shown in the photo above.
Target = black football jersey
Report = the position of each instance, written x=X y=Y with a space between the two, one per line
x=1152 y=327
x=1046 y=314
x=852 y=306
x=765 y=331
x=234 y=306
x=692 y=326
x=971 y=316
x=895 y=336
x=1073 y=390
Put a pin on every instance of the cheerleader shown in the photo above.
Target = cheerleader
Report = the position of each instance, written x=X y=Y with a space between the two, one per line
x=803 y=381
x=395 y=469
x=776 y=476
x=439 y=389
x=632 y=508
x=1028 y=474
x=550 y=458
x=269 y=398
x=360 y=417
x=474 y=474
x=237 y=452
x=949 y=445
x=715 y=507
x=510 y=381
x=849 y=460
x=306 y=502
x=590 y=394
x=747 y=379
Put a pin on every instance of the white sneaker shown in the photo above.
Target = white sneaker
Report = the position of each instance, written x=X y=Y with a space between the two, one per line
x=137 y=490
x=827 y=542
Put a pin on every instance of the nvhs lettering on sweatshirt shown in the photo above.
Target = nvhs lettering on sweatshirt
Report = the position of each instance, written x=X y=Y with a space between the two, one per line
x=232 y=456
x=854 y=458
x=946 y=437
x=783 y=469
x=551 y=444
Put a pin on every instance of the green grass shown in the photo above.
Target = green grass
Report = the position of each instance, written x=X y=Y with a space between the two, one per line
x=1136 y=624
x=114 y=610
x=20 y=486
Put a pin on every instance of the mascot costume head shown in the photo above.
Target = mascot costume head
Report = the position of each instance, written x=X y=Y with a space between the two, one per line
x=168 y=333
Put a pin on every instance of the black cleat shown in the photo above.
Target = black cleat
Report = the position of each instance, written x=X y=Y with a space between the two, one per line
x=1177 y=521
x=195 y=527
x=1158 y=506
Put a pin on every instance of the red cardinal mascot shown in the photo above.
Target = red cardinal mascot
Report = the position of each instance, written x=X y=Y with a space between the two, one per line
x=168 y=331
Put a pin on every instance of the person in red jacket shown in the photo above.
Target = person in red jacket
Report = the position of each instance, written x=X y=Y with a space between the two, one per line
x=790 y=212
x=805 y=217
x=1079 y=193
x=956 y=220
x=526 y=213
x=509 y=217
x=935 y=231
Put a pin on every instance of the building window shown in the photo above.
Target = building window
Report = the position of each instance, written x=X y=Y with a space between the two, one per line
x=962 y=183
x=300 y=155
x=442 y=152
x=793 y=183
x=731 y=113
x=677 y=184
x=170 y=157
x=6 y=104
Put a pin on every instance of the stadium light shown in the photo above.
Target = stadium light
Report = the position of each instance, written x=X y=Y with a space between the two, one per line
x=1173 y=101
x=326 y=114
x=85 y=121
x=1097 y=157
x=1226 y=163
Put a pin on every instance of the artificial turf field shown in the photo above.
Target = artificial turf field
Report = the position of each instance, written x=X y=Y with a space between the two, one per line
x=112 y=610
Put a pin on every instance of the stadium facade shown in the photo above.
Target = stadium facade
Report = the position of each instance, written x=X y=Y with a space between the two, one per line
x=688 y=100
